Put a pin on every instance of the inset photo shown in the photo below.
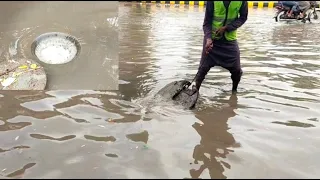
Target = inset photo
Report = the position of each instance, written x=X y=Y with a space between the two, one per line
x=59 y=45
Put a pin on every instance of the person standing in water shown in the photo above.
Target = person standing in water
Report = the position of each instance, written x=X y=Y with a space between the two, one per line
x=220 y=46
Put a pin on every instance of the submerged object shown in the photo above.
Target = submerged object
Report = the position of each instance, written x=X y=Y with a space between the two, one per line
x=175 y=91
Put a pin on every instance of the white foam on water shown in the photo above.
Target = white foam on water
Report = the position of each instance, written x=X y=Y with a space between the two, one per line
x=55 y=50
x=113 y=21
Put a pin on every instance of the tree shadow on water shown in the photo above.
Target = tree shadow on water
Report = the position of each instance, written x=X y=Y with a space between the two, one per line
x=215 y=140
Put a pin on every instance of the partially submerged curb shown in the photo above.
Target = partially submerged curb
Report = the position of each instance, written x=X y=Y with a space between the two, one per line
x=22 y=74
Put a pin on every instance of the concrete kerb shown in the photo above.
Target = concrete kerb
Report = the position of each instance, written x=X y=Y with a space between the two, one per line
x=251 y=4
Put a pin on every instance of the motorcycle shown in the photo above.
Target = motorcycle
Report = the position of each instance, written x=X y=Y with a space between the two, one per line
x=313 y=12
x=282 y=13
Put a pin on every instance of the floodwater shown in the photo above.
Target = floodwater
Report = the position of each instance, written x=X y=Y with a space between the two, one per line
x=94 y=24
x=270 y=129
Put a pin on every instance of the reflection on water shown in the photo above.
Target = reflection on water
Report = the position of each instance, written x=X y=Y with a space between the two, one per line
x=216 y=141
x=268 y=130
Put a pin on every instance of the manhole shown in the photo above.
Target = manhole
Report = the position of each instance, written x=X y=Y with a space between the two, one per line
x=55 y=48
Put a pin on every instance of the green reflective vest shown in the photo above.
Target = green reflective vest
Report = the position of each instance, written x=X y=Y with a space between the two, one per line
x=223 y=16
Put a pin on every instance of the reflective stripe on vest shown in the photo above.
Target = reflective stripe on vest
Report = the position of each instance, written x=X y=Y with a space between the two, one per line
x=223 y=16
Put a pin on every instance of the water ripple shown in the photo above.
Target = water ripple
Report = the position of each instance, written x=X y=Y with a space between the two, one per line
x=18 y=173
x=104 y=139
x=41 y=136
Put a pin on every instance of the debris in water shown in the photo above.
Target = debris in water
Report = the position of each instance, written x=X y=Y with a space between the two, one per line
x=145 y=146
x=23 y=76
x=16 y=74
x=111 y=155
x=33 y=66
x=23 y=67
x=8 y=81
x=111 y=120
x=12 y=61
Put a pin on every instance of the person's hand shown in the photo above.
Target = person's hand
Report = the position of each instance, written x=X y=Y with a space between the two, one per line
x=221 y=30
x=209 y=45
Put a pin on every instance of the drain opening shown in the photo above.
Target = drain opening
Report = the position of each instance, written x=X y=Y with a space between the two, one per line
x=55 y=48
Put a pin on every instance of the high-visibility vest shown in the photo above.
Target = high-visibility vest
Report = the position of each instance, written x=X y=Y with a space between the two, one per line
x=223 y=16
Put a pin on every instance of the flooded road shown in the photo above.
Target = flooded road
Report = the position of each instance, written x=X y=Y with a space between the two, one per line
x=93 y=24
x=270 y=129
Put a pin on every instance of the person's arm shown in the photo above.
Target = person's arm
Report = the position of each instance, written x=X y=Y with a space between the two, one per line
x=241 y=20
x=207 y=23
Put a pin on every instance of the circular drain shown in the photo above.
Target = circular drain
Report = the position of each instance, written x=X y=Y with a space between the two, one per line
x=55 y=48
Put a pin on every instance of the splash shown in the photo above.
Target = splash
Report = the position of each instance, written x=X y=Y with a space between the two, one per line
x=155 y=106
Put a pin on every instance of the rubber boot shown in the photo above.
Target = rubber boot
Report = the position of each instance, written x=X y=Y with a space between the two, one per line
x=235 y=81
x=235 y=86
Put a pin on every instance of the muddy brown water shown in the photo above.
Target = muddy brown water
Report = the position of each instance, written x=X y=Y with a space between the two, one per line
x=270 y=129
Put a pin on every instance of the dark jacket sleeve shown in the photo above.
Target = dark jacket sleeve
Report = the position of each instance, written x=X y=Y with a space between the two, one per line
x=241 y=20
x=207 y=24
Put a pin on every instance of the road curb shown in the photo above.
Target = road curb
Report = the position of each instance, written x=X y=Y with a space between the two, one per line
x=251 y=4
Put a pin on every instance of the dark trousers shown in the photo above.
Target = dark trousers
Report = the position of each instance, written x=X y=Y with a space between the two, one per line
x=223 y=55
